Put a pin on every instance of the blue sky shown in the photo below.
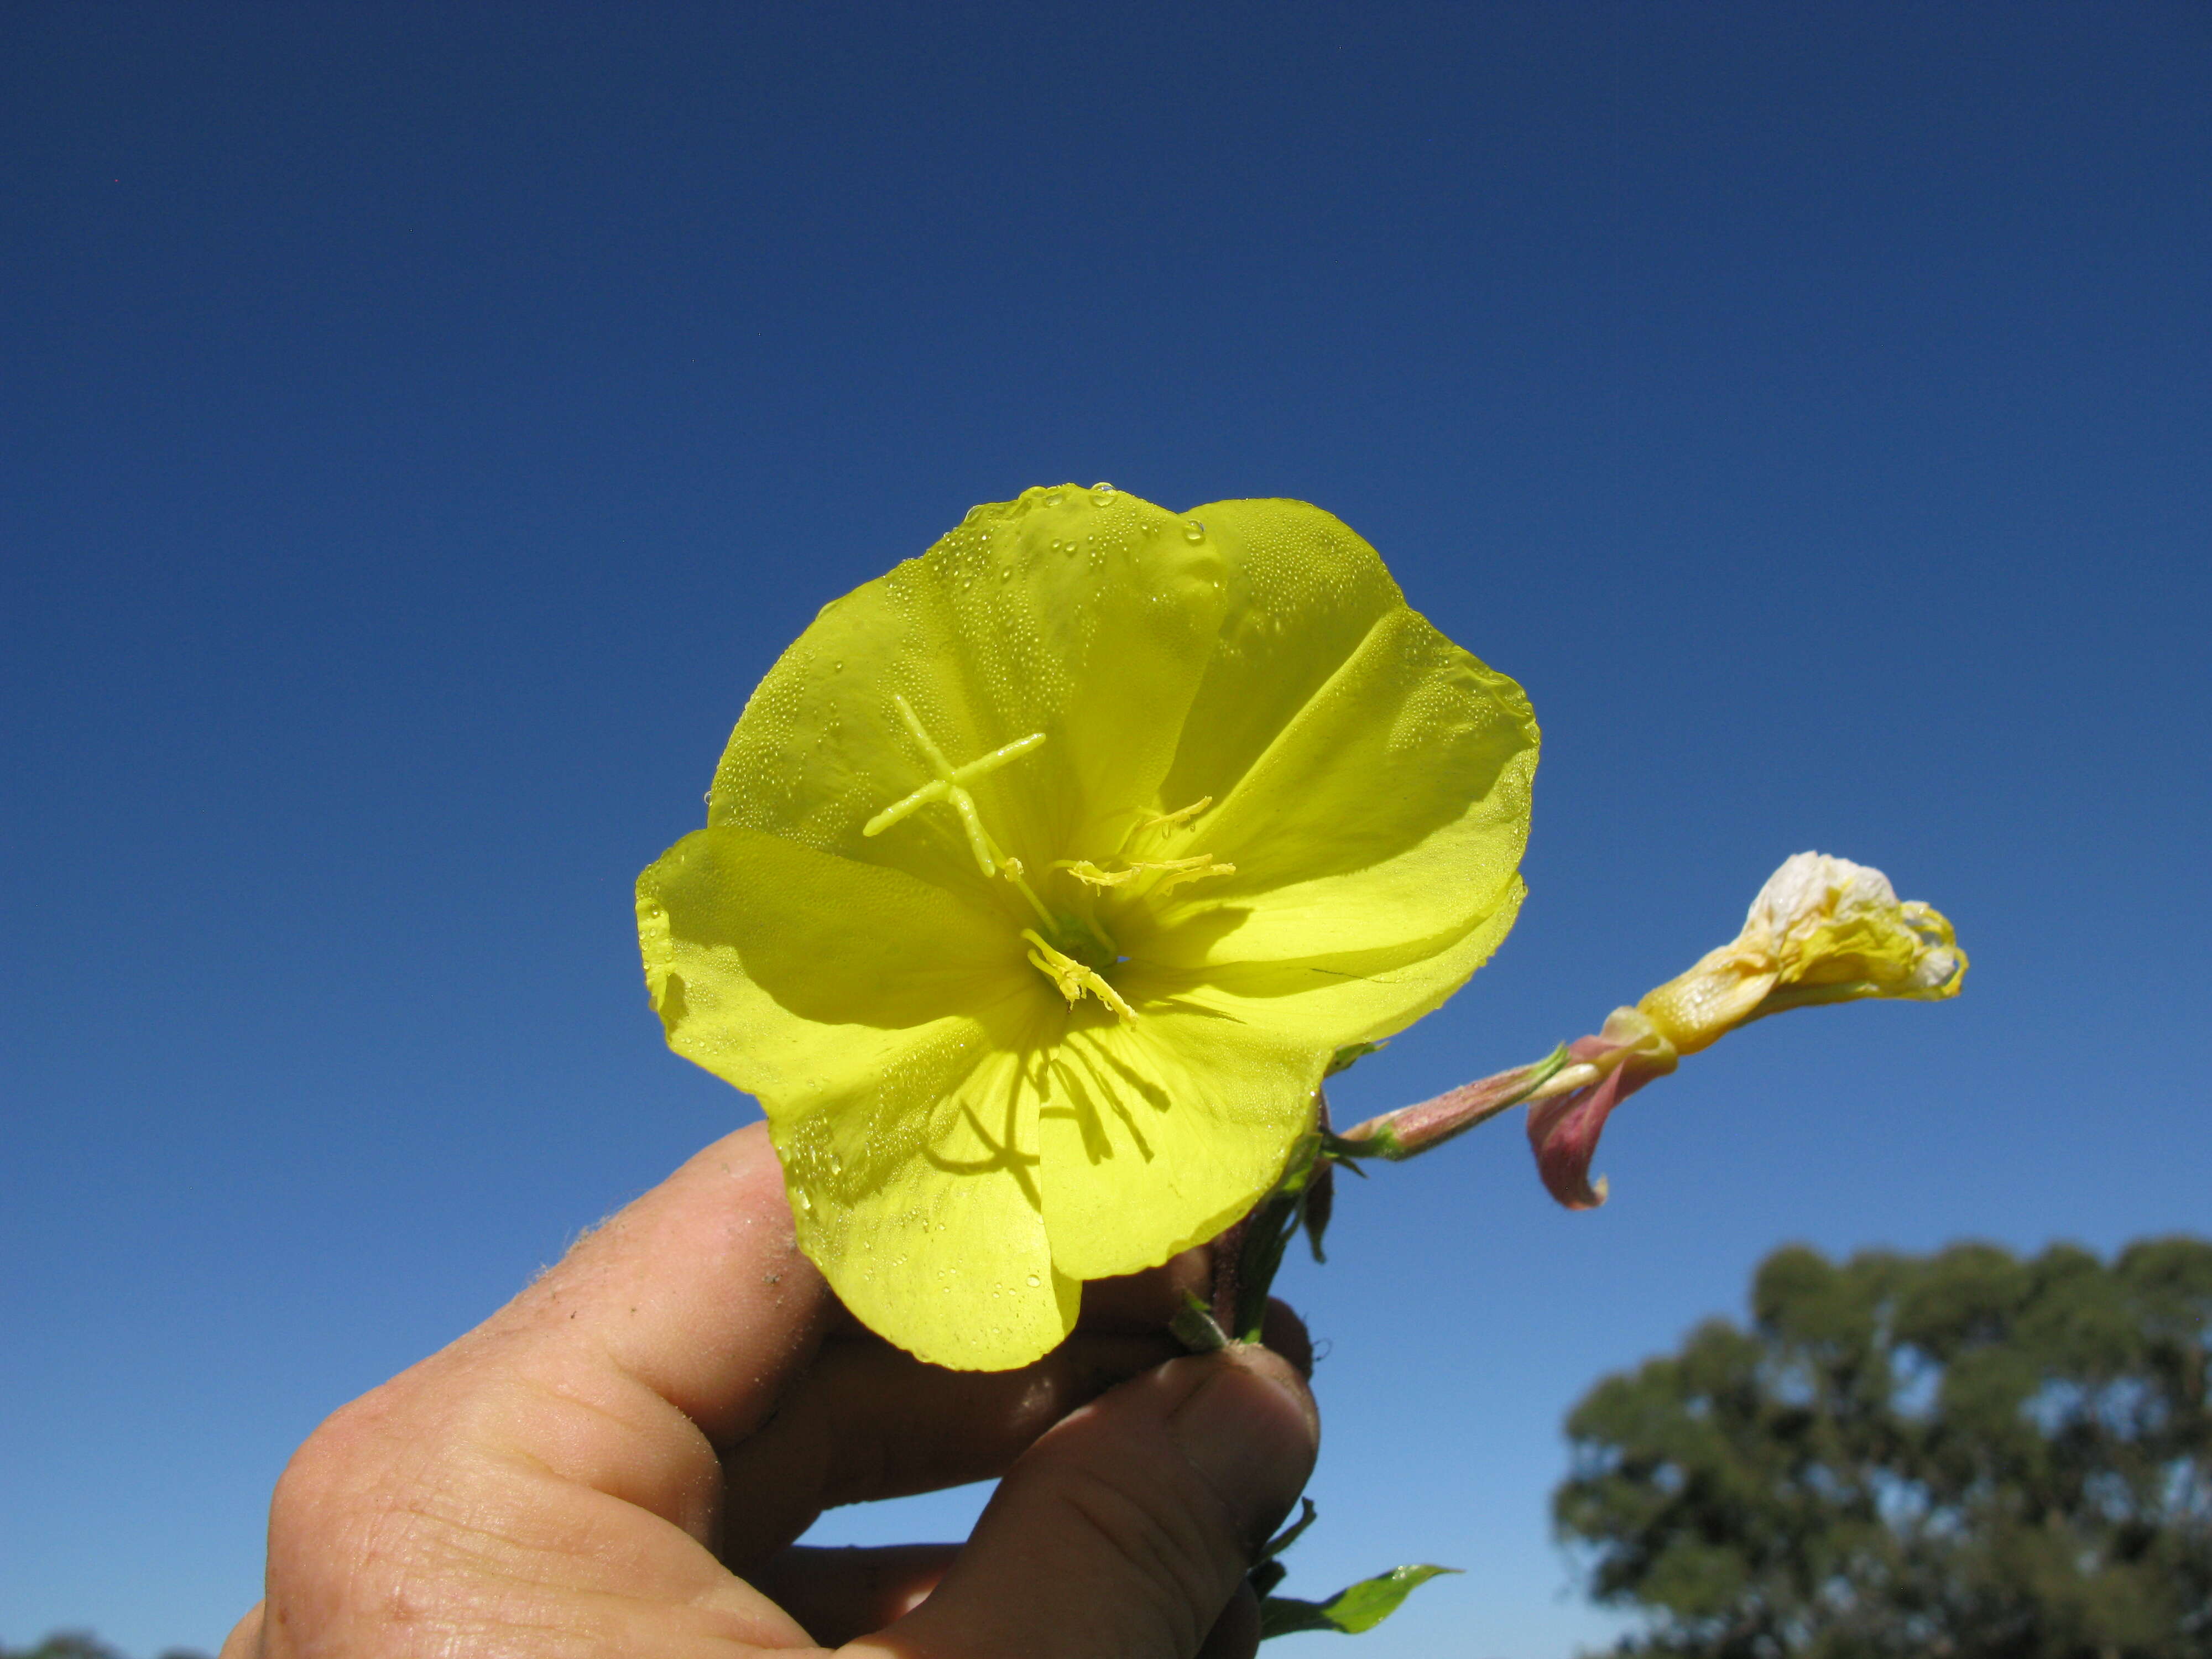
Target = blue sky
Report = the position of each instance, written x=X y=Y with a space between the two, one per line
x=422 y=425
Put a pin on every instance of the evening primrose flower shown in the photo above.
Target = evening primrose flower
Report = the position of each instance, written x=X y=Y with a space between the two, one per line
x=1821 y=930
x=1042 y=877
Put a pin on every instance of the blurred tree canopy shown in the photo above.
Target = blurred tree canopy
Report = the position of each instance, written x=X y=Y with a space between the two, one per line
x=76 y=1645
x=1964 y=1455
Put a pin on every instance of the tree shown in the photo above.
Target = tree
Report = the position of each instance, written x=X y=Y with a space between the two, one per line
x=77 y=1645
x=1964 y=1455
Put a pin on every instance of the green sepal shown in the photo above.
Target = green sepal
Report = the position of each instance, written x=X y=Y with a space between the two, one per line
x=1290 y=1534
x=1353 y=1610
x=1383 y=1143
x=1266 y=1571
x=1194 y=1326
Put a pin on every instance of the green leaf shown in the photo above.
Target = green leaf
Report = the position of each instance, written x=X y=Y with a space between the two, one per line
x=1353 y=1610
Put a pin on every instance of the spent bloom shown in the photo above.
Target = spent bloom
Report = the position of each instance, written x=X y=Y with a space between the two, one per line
x=1821 y=930
x=1042 y=876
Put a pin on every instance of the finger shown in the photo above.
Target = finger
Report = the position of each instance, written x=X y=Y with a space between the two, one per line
x=244 y=1641
x=868 y=1421
x=678 y=1321
x=1125 y=1530
x=1148 y=1300
x=840 y=1593
x=871 y=1422
x=698 y=1290
x=1285 y=1332
x=1235 y=1634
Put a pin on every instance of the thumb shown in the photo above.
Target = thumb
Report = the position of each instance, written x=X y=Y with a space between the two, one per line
x=1125 y=1529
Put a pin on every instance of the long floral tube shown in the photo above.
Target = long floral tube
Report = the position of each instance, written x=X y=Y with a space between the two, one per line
x=1411 y=1130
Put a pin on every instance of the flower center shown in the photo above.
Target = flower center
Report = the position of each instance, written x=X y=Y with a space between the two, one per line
x=1072 y=951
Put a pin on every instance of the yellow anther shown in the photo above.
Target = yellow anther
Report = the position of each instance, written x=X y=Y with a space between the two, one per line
x=1180 y=816
x=950 y=786
x=1170 y=871
x=1071 y=978
x=1084 y=871
x=1196 y=869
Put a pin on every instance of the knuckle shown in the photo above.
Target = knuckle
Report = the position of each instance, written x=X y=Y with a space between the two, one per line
x=1163 y=1534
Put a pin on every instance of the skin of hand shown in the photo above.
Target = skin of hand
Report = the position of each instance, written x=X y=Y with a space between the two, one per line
x=617 y=1462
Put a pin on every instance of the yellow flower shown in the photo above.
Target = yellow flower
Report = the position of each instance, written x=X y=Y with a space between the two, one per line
x=1821 y=930
x=1043 y=875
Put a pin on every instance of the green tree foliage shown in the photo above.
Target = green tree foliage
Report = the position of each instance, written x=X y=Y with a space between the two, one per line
x=1964 y=1455
x=76 y=1645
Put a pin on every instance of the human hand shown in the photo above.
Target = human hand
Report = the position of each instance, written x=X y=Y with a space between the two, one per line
x=617 y=1462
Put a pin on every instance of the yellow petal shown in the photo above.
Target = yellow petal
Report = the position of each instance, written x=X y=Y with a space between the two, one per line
x=768 y=960
x=1374 y=778
x=1396 y=799
x=1087 y=617
x=1302 y=592
x=1160 y=1131
x=873 y=1015
x=1163 y=1130
x=1329 y=1001
x=916 y=1193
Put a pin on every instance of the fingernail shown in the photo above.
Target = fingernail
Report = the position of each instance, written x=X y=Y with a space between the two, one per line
x=1251 y=1430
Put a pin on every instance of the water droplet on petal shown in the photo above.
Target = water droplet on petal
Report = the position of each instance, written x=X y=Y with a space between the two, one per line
x=1194 y=532
x=1033 y=1281
x=1102 y=494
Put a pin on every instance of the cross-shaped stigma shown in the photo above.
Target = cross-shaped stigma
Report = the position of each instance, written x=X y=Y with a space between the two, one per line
x=950 y=787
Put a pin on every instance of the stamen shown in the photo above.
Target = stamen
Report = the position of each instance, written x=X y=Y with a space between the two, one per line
x=1180 y=816
x=1071 y=978
x=1171 y=871
x=1084 y=871
x=1196 y=869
